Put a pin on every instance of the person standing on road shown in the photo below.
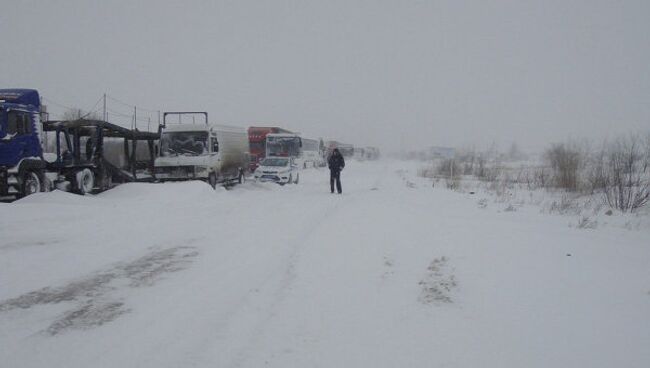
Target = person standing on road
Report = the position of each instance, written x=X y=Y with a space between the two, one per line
x=336 y=163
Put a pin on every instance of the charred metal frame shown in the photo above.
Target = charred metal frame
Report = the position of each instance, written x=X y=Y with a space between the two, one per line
x=97 y=130
x=179 y=113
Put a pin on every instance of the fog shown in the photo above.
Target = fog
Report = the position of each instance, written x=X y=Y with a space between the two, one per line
x=395 y=74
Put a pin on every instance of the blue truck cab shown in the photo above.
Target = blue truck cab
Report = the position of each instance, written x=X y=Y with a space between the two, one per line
x=21 y=152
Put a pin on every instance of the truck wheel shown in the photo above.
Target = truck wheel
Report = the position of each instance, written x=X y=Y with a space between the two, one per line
x=85 y=181
x=297 y=178
x=31 y=183
x=212 y=180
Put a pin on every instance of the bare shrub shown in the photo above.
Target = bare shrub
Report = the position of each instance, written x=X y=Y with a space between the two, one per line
x=596 y=175
x=617 y=173
x=535 y=178
x=492 y=173
x=453 y=183
x=522 y=176
x=502 y=188
x=565 y=205
x=586 y=223
x=541 y=177
x=466 y=159
x=448 y=168
x=565 y=161
x=480 y=171
x=468 y=167
x=627 y=185
x=427 y=171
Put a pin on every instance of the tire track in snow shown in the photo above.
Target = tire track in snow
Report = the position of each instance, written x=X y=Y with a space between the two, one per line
x=282 y=289
x=297 y=247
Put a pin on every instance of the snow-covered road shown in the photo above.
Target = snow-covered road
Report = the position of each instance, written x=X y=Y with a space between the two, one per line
x=392 y=273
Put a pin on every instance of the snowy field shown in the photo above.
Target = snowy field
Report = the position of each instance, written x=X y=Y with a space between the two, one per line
x=393 y=273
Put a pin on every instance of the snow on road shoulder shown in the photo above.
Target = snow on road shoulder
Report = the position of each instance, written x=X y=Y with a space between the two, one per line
x=391 y=273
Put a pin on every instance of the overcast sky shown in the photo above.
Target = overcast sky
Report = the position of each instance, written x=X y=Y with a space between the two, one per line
x=388 y=73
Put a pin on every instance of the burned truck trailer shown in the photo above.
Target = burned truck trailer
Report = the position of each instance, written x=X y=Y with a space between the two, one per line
x=37 y=155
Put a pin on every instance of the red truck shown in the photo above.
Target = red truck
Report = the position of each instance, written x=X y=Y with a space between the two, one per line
x=257 y=141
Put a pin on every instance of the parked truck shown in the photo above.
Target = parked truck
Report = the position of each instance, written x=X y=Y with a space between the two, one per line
x=257 y=141
x=347 y=150
x=209 y=152
x=38 y=155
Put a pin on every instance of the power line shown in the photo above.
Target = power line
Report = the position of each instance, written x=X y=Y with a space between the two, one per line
x=94 y=108
x=113 y=112
x=88 y=112
x=144 y=118
x=50 y=101
x=128 y=104
x=141 y=119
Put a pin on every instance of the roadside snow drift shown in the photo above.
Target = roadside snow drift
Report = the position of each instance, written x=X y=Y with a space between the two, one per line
x=393 y=273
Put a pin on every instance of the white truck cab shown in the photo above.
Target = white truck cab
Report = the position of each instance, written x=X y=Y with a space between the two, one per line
x=208 y=152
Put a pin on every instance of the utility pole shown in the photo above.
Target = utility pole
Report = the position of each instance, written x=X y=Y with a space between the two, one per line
x=135 y=117
x=104 y=116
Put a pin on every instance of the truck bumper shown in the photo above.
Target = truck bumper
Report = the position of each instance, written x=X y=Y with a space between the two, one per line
x=179 y=173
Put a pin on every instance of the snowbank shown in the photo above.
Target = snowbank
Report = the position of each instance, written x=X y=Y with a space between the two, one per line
x=391 y=273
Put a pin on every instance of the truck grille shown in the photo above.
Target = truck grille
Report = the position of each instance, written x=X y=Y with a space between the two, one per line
x=174 y=172
x=3 y=182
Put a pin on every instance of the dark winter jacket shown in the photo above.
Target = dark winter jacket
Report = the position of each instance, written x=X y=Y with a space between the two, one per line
x=336 y=162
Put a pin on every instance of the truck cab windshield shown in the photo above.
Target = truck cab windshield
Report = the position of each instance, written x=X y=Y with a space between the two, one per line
x=3 y=122
x=184 y=143
x=283 y=146
x=14 y=122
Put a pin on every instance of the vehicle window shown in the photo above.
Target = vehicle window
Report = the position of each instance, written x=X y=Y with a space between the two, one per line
x=18 y=123
x=184 y=143
x=283 y=146
x=275 y=162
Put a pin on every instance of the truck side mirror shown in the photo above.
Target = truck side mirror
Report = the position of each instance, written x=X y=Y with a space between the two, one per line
x=215 y=146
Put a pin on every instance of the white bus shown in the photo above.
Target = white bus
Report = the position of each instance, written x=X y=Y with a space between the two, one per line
x=306 y=152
